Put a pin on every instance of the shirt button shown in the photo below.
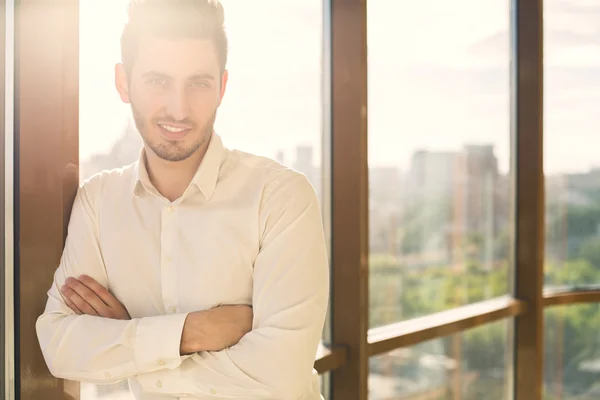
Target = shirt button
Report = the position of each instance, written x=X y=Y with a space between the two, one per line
x=159 y=384
x=161 y=362
x=170 y=209
x=213 y=391
x=172 y=310
x=168 y=259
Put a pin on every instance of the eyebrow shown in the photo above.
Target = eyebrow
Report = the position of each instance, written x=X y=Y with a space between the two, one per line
x=201 y=76
x=198 y=76
x=155 y=73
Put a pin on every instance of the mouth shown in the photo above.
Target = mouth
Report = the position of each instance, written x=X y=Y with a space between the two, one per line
x=173 y=131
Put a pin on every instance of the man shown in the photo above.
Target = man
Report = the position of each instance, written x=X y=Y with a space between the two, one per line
x=197 y=272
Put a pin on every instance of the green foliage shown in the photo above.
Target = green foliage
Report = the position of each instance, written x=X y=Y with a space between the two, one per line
x=590 y=251
x=571 y=334
x=582 y=221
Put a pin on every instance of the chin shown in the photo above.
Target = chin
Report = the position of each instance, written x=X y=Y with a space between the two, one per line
x=174 y=152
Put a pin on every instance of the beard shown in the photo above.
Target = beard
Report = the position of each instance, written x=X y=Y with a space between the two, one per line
x=171 y=150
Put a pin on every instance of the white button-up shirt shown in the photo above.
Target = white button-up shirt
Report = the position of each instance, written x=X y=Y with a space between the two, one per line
x=247 y=231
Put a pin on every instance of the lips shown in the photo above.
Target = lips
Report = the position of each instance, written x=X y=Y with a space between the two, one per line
x=173 y=131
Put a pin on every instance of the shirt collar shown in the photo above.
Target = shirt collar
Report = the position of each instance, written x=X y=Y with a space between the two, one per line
x=205 y=178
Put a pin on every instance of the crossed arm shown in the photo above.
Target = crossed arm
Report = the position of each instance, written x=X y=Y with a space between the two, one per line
x=207 y=330
x=272 y=361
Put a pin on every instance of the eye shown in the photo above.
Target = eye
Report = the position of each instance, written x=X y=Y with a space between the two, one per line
x=200 y=85
x=157 y=81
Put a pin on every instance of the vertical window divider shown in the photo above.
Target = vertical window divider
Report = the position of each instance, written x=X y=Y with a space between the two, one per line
x=350 y=192
x=527 y=163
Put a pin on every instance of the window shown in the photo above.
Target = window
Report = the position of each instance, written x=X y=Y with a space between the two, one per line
x=273 y=106
x=571 y=355
x=572 y=165
x=572 y=179
x=439 y=148
x=473 y=365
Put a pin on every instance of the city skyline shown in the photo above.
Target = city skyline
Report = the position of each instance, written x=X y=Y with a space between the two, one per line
x=441 y=90
x=125 y=149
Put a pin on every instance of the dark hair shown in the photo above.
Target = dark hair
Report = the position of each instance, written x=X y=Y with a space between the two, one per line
x=173 y=19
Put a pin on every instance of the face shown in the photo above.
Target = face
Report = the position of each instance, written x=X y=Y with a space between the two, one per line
x=174 y=89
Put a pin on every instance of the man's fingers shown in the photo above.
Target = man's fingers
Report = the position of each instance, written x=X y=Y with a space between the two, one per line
x=87 y=295
x=72 y=306
x=100 y=291
x=90 y=297
x=83 y=306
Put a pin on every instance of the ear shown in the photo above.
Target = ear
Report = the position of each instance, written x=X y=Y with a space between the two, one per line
x=224 y=79
x=122 y=83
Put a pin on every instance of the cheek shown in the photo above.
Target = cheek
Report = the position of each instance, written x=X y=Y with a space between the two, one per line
x=147 y=106
x=204 y=105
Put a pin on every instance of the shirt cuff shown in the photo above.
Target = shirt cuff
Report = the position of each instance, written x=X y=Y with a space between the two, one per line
x=157 y=342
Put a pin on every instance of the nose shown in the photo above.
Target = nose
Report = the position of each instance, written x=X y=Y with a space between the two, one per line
x=178 y=105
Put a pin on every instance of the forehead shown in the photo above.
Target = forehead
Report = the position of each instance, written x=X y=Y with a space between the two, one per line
x=176 y=57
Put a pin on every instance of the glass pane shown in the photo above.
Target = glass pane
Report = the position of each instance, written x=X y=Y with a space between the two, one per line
x=274 y=105
x=439 y=147
x=477 y=364
x=7 y=340
x=572 y=352
x=571 y=121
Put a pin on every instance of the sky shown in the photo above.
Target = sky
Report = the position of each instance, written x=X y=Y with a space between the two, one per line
x=438 y=78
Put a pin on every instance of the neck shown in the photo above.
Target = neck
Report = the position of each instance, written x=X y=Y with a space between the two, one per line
x=171 y=178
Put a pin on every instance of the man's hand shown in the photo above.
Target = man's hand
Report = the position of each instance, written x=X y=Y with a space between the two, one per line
x=215 y=329
x=86 y=296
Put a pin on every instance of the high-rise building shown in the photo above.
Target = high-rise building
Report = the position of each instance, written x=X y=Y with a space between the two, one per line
x=481 y=176
x=432 y=174
x=385 y=196
x=480 y=199
x=456 y=198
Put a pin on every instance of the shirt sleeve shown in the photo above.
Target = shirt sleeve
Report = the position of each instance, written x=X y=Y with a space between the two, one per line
x=95 y=349
x=290 y=298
